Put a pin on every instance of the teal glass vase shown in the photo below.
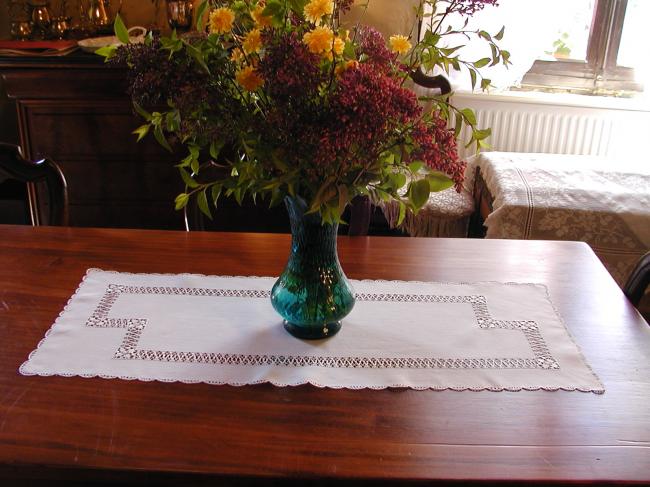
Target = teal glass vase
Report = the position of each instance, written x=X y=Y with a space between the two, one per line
x=312 y=294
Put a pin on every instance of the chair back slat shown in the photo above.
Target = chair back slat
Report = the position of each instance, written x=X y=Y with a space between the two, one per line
x=14 y=166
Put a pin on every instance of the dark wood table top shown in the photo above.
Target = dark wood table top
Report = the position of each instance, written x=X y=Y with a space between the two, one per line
x=67 y=430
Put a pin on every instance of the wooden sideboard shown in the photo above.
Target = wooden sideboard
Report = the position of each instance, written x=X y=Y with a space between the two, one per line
x=75 y=110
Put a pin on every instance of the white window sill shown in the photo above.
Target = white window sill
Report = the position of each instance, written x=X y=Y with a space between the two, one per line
x=640 y=103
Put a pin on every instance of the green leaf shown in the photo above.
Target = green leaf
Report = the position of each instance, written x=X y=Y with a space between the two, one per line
x=181 y=201
x=323 y=195
x=173 y=121
x=485 y=83
x=419 y=192
x=402 y=213
x=200 y=11
x=278 y=161
x=187 y=179
x=276 y=198
x=389 y=158
x=239 y=195
x=349 y=51
x=448 y=51
x=215 y=193
x=197 y=55
x=430 y=39
x=499 y=36
x=458 y=127
x=439 y=181
x=415 y=166
x=481 y=63
x=194 y=166
x=121 y=32
x=482 y=134
x=482 y=144
x=495 y=55
x=194 y=150
x=276 y=10
x=472 y=74
x=142 y=131
x=202 y=200
x=160 y=137
x=215 y=148
x=485 y=35
x=343 y=198
x=298 y=6
x=468 y=114
x=399 y=180
x=142 y=112
x=107 y=51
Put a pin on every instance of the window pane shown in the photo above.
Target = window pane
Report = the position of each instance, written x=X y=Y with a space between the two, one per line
x=634 y=47
x=569 y=36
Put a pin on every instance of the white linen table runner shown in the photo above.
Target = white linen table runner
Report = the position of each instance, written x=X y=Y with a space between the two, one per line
x=223 y=330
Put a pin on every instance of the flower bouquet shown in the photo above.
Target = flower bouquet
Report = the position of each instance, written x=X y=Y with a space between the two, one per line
x=277 y=101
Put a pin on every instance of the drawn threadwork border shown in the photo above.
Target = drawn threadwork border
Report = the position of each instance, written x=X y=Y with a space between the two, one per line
x=129 y=350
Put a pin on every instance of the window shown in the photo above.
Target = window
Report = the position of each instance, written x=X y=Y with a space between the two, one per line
x=595 y=48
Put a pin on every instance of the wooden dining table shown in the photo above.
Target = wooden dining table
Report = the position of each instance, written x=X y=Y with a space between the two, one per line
x=95 y=431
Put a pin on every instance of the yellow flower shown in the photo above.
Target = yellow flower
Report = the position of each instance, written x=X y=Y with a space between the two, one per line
x=236 y=55
x=252 y=41
x=221 y=20
x=339 y=45
x=319 y=40
x=249 y=79
x=400 y=44
x=261 y=20
x=341 y=68
x=315 y=10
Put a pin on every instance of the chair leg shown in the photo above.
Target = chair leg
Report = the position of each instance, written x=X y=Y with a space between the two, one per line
x=360 y=213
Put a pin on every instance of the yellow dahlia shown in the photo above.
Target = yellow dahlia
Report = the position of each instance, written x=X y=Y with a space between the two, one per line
x=221 y=20
x=400 y=44
x=252 y=41
x=260 y=19
x=249 y=79
x=315 y=10
x=319 y=40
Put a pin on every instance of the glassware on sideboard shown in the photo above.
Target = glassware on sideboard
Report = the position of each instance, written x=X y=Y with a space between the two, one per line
x=41 y=18
x=21 y=30
x=59 y=27
x=179 y=14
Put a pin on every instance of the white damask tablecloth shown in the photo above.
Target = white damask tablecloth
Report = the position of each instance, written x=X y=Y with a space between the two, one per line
x=601 y=202
x=223 y=330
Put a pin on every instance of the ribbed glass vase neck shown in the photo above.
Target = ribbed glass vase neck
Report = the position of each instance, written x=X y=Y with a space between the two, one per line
x=310 y=238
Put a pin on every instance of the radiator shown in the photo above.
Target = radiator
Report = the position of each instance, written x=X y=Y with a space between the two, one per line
x=522 y=125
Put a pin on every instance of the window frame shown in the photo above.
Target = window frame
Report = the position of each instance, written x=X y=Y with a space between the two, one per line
x=599 y=73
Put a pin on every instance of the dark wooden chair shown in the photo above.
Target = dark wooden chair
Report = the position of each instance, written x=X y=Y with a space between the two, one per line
x=14 y=166
x=638 y=281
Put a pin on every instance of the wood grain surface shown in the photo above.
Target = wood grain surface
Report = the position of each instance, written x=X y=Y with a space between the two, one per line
x=82 y=431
